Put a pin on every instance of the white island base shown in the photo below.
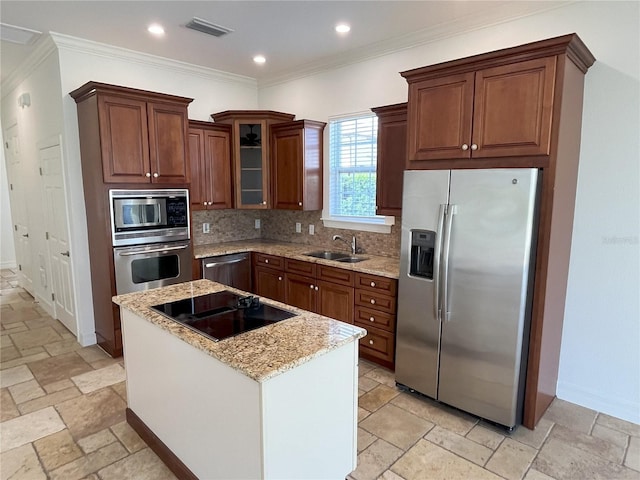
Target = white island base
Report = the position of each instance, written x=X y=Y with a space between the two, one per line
x=207 y=420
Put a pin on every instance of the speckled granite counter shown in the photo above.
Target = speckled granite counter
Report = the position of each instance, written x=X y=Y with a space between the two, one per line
x=259 y=354
x=374 y=264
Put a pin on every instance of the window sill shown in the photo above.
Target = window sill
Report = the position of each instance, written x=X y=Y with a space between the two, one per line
x=377 y=225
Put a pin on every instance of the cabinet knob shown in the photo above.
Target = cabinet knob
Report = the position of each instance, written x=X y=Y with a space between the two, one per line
x=373 y=301
x=474 y=147
x=299 y=204
x=372 y=319
x=373 y=284
x=311 y=287
x=264 y=202
x=465 y=147
x=266 y=260
x=370 y=342
x=316 y=289
x=147 y=174
x=279 y=278
x=155 y=175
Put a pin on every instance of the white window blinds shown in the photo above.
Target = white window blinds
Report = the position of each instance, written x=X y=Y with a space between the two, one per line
x=352 y=171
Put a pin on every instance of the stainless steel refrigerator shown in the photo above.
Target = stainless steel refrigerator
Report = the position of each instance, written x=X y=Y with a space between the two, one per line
x=464 y=292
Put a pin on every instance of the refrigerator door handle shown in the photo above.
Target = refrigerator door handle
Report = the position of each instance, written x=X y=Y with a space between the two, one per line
x=451 y=211
x=436 y=262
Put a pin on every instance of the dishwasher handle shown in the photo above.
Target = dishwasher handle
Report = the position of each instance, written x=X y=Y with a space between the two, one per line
x=227 y=262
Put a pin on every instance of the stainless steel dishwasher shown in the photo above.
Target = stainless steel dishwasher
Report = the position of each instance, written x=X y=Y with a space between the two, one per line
x=233 y=270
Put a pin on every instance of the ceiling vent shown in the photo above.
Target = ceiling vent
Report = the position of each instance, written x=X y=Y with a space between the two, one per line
x=207 y=27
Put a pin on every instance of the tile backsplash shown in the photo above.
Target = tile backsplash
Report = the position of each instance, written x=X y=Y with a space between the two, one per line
x=280 y=225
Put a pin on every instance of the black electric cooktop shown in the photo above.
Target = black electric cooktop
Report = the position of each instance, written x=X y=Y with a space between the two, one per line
x=223 y=314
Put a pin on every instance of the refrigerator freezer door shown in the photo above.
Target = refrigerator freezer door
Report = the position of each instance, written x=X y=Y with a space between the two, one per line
x=487 y=306
x=418 y=328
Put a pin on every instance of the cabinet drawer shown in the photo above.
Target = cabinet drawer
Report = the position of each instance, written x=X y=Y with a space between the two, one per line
x=300 y=267
x=368 y=317
x=335 y=275
x=375 y=301
x=388 y=286
x=271 y=261
x=378 y=343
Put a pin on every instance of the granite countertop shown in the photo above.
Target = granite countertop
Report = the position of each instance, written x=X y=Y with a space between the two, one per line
x=260 y=354
x=374 y=264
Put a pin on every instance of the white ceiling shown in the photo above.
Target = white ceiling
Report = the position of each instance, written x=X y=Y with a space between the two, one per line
x=294 y=36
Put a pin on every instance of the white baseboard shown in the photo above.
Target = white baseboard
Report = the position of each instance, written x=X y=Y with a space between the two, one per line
x=86 y=339
x=8 y=264
x=596 y=400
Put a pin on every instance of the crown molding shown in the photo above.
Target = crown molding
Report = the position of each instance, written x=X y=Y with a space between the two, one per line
x=459 y=26
x=43 y=49
x=74 y=44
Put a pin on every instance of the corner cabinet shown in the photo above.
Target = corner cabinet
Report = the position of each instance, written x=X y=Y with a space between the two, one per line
x=210 y=159
x=392 y=158
x=250 y=136
x=142 y=135
x=296 y=165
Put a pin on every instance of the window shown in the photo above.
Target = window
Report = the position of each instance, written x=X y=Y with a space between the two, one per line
x=352 y=174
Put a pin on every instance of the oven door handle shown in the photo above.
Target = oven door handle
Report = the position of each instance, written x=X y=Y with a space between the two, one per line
x=158 y=250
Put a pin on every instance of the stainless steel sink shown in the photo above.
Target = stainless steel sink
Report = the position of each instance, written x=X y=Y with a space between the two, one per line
x=351 y=259
x=328 y=255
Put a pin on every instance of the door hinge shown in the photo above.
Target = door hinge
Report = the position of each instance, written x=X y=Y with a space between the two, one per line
x=11 y=186
x=40 y=168
x=15 y=227
x=19 y=267
x=46 y=235
x=53 y=297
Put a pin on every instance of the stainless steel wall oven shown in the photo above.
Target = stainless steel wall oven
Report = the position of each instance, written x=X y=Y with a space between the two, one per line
x=151 y=240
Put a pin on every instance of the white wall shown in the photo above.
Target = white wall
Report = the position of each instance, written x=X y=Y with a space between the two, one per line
x=600 y=359
x=81 y=62
x=7 y=248
x=37 y=122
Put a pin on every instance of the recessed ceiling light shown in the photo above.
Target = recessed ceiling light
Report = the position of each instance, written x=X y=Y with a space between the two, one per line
x=259 y=59
x=342 y=28
x=156 y=29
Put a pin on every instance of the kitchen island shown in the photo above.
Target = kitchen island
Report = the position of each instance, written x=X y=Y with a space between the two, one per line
x=279 y=401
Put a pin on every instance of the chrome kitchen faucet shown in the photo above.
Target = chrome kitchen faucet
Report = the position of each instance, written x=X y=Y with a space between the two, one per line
x=354 y=248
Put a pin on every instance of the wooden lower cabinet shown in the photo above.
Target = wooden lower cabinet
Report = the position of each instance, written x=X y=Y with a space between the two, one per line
x=368 y=301
x=375 y=310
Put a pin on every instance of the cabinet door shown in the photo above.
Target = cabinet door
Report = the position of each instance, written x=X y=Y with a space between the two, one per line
x=440 y=116
x=335 y=301
x=123 y=139
x=168 y=143
x=287 y=168
x=217 y=148
x=513 y=108
x=197 y=189
x=300 y=291
x=250 y=157
x=392 y=158
x=269 y=283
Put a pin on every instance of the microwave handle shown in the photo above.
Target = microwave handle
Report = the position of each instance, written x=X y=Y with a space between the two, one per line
x=166 y=249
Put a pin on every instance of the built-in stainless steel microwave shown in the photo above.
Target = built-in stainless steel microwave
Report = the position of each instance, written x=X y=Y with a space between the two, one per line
x=149 y=216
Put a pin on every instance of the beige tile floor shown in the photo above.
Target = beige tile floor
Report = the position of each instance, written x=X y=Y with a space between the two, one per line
x=62 y=417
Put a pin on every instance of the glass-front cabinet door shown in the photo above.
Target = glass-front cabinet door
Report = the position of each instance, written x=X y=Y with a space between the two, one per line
x=251 y=173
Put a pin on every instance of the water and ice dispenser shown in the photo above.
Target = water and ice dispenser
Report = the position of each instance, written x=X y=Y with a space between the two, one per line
x=423 y=244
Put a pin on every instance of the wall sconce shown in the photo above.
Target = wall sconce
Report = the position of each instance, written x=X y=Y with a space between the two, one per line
x=24 y=100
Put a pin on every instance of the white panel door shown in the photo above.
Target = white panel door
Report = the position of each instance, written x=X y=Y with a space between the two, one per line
x=19 y=212
x=58 y=235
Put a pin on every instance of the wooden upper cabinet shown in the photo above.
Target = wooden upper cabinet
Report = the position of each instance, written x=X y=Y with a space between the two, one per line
x=296 y=165
x=168 y=143
x=124 y=139
x=488 y=113
x=142 y=134
x=251 y=143
x=392 y=158
x=210 y=160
